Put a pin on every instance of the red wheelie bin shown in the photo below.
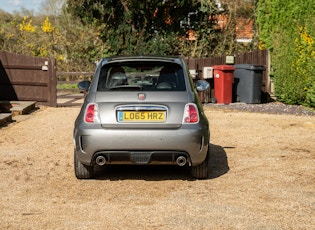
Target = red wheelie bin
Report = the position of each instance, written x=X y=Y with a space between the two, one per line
x=223 y=83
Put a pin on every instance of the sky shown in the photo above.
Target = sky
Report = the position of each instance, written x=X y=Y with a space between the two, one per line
x=16 y=5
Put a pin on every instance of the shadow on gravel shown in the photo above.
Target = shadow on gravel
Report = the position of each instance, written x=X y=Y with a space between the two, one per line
x=218 y=161
x=219 y=166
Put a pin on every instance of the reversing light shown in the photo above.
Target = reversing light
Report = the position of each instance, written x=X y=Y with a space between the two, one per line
x=191 y=114
x=91 y=113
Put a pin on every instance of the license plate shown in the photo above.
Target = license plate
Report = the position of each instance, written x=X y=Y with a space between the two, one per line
x=141 y=116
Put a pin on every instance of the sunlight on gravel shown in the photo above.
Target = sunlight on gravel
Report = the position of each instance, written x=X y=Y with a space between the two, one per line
x=262 y=178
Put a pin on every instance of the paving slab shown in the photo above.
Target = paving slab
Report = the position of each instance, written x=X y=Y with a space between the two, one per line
x=5 y=117
x=8 y=109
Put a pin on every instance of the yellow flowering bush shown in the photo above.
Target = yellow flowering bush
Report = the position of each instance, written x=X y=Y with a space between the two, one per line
x=261 y=45
x=43 y=52
x=46 y=26
x=26 y=25
x=304 y=64
x=9 y=35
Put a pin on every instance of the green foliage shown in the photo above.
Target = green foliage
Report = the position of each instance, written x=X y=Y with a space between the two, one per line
x=75 y=46
x=286 y=27
x=160 y=27
x=79 y=33
x=67 y=86
x=137 y=27
x=310 y=96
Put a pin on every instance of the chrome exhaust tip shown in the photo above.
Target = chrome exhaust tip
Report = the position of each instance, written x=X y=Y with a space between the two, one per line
x=181 y=161
x=100 y=160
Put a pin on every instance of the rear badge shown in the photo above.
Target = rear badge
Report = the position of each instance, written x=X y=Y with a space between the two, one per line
x=141 y=96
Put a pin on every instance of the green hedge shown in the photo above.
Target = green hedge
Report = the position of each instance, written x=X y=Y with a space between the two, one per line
x=286 y=28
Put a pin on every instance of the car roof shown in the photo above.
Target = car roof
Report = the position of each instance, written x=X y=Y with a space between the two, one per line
x=174 y=59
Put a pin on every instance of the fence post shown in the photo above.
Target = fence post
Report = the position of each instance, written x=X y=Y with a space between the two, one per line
x=52 y=82
x=269 y=88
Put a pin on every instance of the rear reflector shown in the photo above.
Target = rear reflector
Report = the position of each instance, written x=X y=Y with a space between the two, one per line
x=191 y=114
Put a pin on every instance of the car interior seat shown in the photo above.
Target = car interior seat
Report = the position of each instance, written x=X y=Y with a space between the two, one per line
x=167 y=79
x=117 y=77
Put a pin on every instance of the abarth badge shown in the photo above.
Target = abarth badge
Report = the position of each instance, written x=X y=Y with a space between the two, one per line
x=141 y=96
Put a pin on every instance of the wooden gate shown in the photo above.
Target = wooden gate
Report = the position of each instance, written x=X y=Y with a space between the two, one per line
x=26 y=78
x=71 y=96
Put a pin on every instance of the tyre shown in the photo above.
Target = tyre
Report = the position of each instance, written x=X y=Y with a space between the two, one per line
x=202 y=171
x=82 y=171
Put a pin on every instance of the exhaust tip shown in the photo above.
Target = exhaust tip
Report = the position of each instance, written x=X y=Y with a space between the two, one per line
x=181 y=161
x=100 y=160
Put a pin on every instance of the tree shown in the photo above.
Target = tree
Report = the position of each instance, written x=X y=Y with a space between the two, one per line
x=132 y=26
x=186 y=27
x=52 y=7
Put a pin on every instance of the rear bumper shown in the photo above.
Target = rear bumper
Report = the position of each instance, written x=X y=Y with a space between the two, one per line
x=126 y=146
x=142 y=157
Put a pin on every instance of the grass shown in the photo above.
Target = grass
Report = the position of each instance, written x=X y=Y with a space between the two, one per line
x=67 y=86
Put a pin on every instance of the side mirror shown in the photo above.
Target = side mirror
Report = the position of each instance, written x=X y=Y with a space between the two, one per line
x=202 y=85
x=84 y=85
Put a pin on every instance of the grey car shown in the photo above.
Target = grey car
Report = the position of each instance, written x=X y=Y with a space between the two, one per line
x=142 y=110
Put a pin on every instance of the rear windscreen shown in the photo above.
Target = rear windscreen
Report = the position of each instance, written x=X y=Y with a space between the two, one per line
x=142 y=76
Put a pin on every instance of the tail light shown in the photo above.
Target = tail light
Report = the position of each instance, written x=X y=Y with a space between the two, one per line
x=191 y=114
x=91 y=114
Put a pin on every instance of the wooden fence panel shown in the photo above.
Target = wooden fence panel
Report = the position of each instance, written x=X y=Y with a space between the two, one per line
x=259 y=57
x=27 y=78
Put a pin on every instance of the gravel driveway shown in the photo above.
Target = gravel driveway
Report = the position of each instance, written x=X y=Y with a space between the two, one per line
x=262 y=178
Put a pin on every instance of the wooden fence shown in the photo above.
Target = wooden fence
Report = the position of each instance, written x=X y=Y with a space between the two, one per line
x=26 y=78
x=31 y=78
x=259 y=57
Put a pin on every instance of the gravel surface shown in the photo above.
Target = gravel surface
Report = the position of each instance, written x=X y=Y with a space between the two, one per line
x=262 y=177
x=272 y=108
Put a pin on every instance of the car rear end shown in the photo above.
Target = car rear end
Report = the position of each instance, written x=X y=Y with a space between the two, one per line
x=135 y=116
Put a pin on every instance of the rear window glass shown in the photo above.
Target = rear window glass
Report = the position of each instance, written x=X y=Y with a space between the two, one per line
x=141 y=76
